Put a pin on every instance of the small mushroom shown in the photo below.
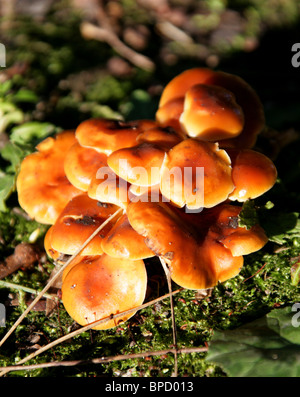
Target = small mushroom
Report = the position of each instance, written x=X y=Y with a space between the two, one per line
x=196 y=174
x=53 y=254
x=211 y=113
x=76 y=223
x=122 y=241
x=225 y=229
x=253 y=174
x=168 y=115
x=106 y=135
x=163 y=137
x=107 y=187
x=245 y=96
x=200 y=249
x=179 y=85
x=42 y=185
x=171 y=102
x=95 y=289
x=249 y=101
x=139 y=165
x=81 y=164
x=172 y=239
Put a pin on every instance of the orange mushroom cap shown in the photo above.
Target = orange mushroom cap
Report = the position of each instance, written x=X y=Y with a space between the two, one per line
x=94 y=289
x=75 y=261
x=42 y=186
x=163 y=137
x=106 y=135
x=179 y=85
x=172 y=239
x=76 y=223
x=107 y=187
x=202 y=174
x=226 y=230
x=211 y=113
x=253 y=174
x=168 y=114
x=81 y=164
x=53 y=254
x=246 y=98
x=58 y=257
x=139 y=165
x=172 y=98
x=200 y=249
x=122 y=241
x=144 y=193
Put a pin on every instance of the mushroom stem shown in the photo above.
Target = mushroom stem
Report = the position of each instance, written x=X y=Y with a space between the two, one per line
x=48 y=285
x=169 y=281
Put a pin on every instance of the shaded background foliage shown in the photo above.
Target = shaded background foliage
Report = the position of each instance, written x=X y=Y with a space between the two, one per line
x=71 y=60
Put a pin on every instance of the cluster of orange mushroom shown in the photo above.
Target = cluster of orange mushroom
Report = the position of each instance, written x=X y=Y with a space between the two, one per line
x=120 y=175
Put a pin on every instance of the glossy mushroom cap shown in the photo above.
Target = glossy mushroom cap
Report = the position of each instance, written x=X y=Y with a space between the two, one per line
x=249 y=101
x=96 y=288
x=162 y=137
x=53 y=254
x=107 y=187
x=225 y=230
x=172 y=98
x=202 y=174
x=42 y=186
x=122 y=241
x=200 y=249
x=211 y=113
x=179 y=85
x=81 y=164
x=139 y=165
x=106 y=135
x=245 y=97
x=253 y=174
x=78 y=220
x=168 y=115
x=170 y=238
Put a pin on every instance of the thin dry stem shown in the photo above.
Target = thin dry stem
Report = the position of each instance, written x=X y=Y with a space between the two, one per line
x=86 y=328
x=18 y=287
x=92 y=31
x=103 y=360
x=169 y=281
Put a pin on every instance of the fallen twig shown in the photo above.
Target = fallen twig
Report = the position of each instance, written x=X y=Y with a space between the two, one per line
x=167 y=273
x=88 y=327
x=103 y=360
x=91 y=31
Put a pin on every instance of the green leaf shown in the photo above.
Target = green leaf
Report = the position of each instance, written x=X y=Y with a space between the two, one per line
x=281 y=226
x=7 y=186
x=13 y=154
x=31 y=131
x=248 y=216
x=285 y=322
x=5 y=87
x=25 y=95
x=9 y=114
x=267 y=347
